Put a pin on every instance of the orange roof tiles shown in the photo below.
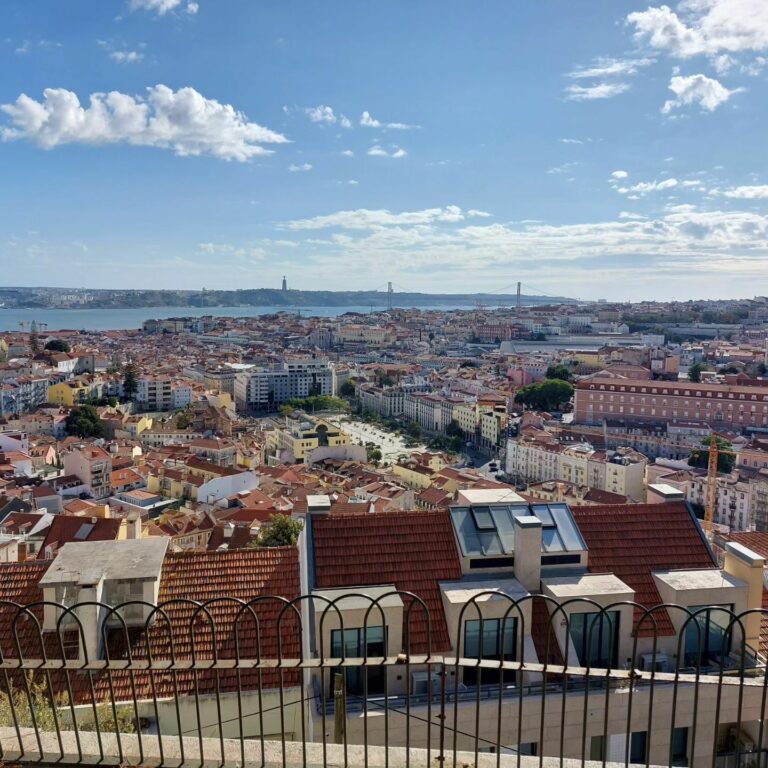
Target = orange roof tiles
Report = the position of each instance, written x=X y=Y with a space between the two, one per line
x=412 y=550
x=635 y=540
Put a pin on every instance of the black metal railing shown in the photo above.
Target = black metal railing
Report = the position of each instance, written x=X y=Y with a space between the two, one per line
x=356 y=678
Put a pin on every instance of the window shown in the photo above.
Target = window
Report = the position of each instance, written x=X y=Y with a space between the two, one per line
x=488 y=639
x=680 y=746
x=595 y=638
x=705 y=636
x=638 y=747
x=597 y=748
x=354 y=646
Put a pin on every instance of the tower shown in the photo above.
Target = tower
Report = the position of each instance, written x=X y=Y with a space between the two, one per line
x=390 y=291
x=285 y=284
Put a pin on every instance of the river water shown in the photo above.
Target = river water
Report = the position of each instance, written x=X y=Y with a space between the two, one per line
x=118 y=319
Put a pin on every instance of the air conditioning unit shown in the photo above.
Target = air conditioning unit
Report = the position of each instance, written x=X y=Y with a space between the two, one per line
x=420 y=682
x=658 y=662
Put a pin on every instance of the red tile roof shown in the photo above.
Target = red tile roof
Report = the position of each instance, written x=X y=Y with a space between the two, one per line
x=210 y=577
x=635 y=540
x=412 y=550
x=757 y=541
x=65 y=528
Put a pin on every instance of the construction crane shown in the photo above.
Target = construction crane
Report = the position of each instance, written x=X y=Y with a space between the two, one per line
x=710 y=499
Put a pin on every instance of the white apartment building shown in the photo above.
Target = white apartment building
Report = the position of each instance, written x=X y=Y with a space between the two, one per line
x=265 y=389
x=621 y=471
x=385 y=402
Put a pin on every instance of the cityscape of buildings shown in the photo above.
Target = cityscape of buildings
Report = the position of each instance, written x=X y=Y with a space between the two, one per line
x=539 y=453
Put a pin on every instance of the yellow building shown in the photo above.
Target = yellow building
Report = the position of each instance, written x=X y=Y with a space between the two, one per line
x=135 y=425
x=301 y=436
x=414 y=476
x=68 y=393
x=466 y=416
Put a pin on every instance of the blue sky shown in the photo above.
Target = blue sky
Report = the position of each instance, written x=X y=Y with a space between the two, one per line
x=590 y=149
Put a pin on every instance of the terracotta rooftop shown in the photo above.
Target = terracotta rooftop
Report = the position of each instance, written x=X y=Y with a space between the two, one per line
x=412 y=550
x=210 y=577
x=66 y=528
x=635 y=540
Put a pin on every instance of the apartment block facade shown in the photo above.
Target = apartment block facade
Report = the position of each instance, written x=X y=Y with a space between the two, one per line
x=736 y=406
x=265 y=389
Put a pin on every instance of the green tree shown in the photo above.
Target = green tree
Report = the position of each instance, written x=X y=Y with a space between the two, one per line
x=281 y=531
x=347 y=389
x=414 y=430
x=559 y=371
x=374 y=455
x=694 y=372
x=57 y=345
x=34 y=339
x=83 y=421
x=130 y=381
x=545 y=395
x=454 y=429
x=725 y=461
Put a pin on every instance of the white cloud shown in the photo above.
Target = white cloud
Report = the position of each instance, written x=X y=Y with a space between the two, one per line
x=644 y=187
x=592 y=92
x=368 y=121
x=325 y=115
x=183 y=121
x=709 y=94
x=708 y=27
x=247 y=253
x=631 y=216
x=162 y=7
x=347 y=153
x=564 y=168
x=364 y=218
x=126 y=57
x=676 y=250
x=293 y=168
x=755 y=192
x=379 y=151
x=603 y=67
x=570 y=141
x=321 y=114
x=619 y=175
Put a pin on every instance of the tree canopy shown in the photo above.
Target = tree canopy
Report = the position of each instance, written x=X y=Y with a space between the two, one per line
x=545 y=395
x=694 y=372
x=57 y=345
x=725 y=461
x=281 y=531
x=347 y=389
x=559 y=371
x=83 y=421
x=130 y=381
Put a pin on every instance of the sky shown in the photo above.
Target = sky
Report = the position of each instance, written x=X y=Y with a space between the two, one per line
x=589 y=149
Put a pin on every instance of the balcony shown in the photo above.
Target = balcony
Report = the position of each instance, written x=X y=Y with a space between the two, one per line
x=210 y=684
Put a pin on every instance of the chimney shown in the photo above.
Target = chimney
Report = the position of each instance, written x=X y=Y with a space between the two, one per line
x=318 y=504
x=528 y=552
x=747 y=566
x=89 y=616
x=133 y=522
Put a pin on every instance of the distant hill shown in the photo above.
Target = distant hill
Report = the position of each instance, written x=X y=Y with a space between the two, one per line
x=268 y=297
